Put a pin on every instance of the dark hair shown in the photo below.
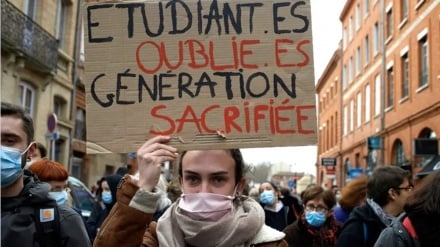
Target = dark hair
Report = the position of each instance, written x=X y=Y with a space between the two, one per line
x=423 y=209
x=43 y=150
x=317 y=192
x=18 y=112
x=236 y=155
x=426 y=196
x=384 y=178
x=49 y=170
x=274 y=186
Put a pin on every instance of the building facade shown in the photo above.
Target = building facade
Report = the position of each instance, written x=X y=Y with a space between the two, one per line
x=43 y=71
x=389 y=84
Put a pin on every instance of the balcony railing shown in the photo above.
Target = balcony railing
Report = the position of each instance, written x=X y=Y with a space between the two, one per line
x=20 y=34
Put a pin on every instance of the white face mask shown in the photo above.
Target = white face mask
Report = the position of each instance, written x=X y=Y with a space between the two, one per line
x=206 y=206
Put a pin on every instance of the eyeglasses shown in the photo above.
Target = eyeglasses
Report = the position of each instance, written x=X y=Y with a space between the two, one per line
x=318 y=209
x=407 y=188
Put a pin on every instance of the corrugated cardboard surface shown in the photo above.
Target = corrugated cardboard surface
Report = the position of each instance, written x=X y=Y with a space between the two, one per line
x=151 y=81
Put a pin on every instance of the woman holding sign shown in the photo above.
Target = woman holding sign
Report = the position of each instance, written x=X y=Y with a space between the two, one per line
x=210 y=212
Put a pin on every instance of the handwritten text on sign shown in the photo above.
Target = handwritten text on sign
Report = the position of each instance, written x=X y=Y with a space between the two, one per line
x=194 y=69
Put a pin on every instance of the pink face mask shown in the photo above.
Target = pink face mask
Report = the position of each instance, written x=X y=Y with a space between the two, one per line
x=206 y=206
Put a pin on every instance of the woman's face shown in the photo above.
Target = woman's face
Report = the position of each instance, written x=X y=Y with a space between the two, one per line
x=104 y=186
x=57 y=186
x=317 y=205
x=209 y=171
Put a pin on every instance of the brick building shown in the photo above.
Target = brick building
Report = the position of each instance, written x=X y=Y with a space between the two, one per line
x=389 y=87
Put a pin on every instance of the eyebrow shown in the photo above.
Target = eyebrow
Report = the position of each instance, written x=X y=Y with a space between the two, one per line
x=221 y=173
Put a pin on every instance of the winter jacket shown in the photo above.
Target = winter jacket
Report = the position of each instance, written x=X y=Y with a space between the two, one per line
x=396 y=235
x=18 y=227
x=100 y=209
x=126 y=225
x=362 y=221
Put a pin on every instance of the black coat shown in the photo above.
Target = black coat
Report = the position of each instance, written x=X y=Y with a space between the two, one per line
x=363 y=221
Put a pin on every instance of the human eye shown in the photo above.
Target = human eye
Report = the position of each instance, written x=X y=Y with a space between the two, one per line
x=321 y=209
x=219 y=180
x=8 y=141
x=192 y=179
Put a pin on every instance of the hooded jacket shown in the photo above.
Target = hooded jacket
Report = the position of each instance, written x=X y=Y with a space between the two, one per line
x=362 y=221
x=396 y=235
x=18 y=227
x=126 y=223
x=100 y=209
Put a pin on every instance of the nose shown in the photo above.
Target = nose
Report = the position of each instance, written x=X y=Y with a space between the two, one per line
x=205 y=188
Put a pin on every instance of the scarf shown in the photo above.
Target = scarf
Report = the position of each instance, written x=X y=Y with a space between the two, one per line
x=324 y=235
x=384 y=217
x=236 y=229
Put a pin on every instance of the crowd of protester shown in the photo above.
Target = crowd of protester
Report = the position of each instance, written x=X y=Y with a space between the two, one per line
x=209 y=203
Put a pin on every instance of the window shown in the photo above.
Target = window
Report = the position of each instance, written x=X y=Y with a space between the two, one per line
x=350 y=70
x=389 y=23
x=404 y=10
x=59 y=107
x=358 y=60
x=350 y=28
x=351 y=115
x=358 y=16
x=59 y=148
x=367 y=102
x=80 y=124
x=344 y=76
x=344 y=38
x=377 y=95
x=367 y=49
x=359 y=109
x=398 y=153
x=390 y=87
x=424 y=61
x=345 y=119
x=82 y=52
x=366 y=7
x=61 y=22
x=30 y=8
x=376 y=37
x=27 y=98
x=405 y=75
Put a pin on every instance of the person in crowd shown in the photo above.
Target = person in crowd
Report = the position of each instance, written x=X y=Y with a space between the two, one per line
x=388 y=187
x=106 y=198
x=254 y=193
x=122 y=171
x=40 y=153
x=210 y=212
x=419 y=225
x=132 y=163
x=174 y=191
x=353 y=194
x=22 y=194
x=292 y=201
x=316 y=226
x=56 y=175
x=278 y=215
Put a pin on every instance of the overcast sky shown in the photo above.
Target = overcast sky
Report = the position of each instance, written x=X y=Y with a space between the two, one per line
x=326 y=28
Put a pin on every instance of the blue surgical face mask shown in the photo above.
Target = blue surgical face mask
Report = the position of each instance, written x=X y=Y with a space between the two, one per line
x=59 y=196
x=107 y=197
x=267 y=197
x=11 y=165
x=314 y=218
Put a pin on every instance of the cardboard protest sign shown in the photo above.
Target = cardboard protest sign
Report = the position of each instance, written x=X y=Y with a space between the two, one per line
x=232 y=73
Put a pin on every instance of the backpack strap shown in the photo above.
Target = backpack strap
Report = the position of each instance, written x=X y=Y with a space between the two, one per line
x=365 y=229
x=47 y=224
x=407 y=224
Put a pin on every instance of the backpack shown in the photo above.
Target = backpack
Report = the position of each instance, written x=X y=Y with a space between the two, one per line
x=48 y=227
